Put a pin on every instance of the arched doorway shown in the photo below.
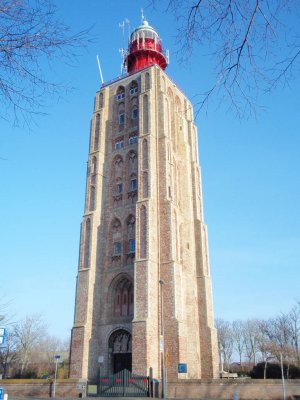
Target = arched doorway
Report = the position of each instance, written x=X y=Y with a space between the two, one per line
x=120 y=350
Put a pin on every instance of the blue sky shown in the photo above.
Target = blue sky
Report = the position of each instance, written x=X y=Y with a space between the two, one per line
x=250 y=174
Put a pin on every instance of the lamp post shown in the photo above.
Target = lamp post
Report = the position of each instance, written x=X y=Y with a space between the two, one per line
x=55 y=375
x=282 y=377
x=162 y=340
x=100 y=362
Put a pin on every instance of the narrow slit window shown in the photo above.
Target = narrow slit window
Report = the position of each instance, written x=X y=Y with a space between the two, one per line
x=132 y=246
x=133 y=184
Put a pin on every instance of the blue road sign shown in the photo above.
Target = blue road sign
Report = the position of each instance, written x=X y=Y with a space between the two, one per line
x=182 y=368
x=1 y=393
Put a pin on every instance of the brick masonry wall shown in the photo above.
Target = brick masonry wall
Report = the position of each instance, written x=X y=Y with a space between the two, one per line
x=40 y=388
x=218 y=389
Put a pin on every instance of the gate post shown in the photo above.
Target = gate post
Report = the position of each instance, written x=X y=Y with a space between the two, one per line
x=150 y=384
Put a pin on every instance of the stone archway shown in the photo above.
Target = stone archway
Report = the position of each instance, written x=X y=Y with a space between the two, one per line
x=119 y=347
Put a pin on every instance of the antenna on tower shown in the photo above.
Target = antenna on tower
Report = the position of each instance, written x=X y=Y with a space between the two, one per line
x=122 y=26
x=128 y=24
x=122 y=51
x=100 y=71
x=142 y=15
x=123 y=55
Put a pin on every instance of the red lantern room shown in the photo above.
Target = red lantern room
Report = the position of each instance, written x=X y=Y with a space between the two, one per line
x=145 y=49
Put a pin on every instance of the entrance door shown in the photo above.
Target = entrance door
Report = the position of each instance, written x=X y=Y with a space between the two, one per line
x=122 y=361
x=120 y=349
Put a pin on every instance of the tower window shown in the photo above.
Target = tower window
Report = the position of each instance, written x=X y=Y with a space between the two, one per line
x=121 y=96
x=117 y=248
x=133 y=91
x=135 y=113
x=119 y=188
x=133 y=184
x=133 y=140
x=132 y=246
x=119 y=144
x=121 y=119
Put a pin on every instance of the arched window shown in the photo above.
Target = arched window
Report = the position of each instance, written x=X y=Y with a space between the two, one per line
x=92 y=198
x=87 y=241
x=93 y=170
x=143 y=232
x=116 y=225
x=117 y=167
x=132 y=162
x=130 y=222
x=147 y=81
x=97 y=133
x=123 y=298
x=115 y=246
x=121 y=116
x=117 y=178
x=134 y=113
x=120 y=93
x=119 y=186
x=145 y=184
x=133 y=182
x=130 y=239
x=133 y=88
x=100 y=100
x=131 y=175
x=145 y=154
x=94 y=165
x=145 y=115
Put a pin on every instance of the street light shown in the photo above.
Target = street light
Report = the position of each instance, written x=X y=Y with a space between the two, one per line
x=56 y=362
x=282 y=377
x=100 y=362
x=162 y=340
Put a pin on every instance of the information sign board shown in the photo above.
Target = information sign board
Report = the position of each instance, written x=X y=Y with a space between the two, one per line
x=182 y=368
x=101 y=359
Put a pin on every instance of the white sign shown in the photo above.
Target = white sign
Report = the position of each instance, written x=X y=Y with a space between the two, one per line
x=80 y=386
x=101 y=359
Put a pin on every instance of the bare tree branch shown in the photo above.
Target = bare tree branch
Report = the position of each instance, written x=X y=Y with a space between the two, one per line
x=31 y=36
x=254 y=46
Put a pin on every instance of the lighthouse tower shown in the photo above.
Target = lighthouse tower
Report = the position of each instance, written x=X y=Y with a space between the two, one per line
x=143 y=292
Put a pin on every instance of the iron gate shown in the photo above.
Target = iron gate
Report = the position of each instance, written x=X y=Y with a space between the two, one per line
x=123 y=384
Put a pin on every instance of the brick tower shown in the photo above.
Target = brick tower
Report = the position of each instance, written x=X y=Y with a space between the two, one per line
x=143 y=238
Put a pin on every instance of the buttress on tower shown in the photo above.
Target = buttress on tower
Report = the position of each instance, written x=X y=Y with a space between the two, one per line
x=143 y=223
